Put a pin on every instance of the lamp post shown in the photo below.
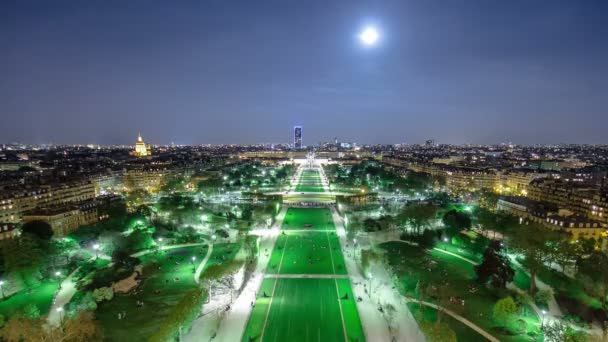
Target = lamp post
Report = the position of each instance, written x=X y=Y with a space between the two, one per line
x=96 y=248
x=60 y=311
x=542 y=322
x=193 y=266
x=58 y=275
x=2 y=287
x=160 y=243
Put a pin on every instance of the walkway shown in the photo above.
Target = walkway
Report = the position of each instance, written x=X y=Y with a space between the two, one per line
x=304 y=276
x=234 y=321
x=66 y=291
x=456 y=255
x=201 y=266
x=404 y=325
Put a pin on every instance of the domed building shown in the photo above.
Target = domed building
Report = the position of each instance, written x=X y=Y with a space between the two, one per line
x=141 y=149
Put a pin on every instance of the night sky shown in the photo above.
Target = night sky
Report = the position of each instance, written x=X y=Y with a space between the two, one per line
x=222 y=71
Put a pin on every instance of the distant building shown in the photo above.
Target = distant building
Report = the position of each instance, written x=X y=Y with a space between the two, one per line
x=66 y=218
x=141 y=149
x=297 y=137
x=551 y=216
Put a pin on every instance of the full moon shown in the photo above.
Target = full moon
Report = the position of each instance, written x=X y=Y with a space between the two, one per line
x=369 y=36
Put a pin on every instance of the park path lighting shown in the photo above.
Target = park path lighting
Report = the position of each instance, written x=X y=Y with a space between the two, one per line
x=60 y=311
x=96 y=248
x=542 y=322
x=2 y=287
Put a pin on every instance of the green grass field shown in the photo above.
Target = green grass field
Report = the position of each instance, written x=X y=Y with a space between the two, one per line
x=40 y=295
x=308 y=218
x=310 y=181
x=414 y=264
x=307 y=253
x=160 y=290
x=305 y=310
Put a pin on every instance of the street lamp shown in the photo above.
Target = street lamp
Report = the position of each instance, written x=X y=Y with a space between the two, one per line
x=96 y=248
x=213 y=237
x=542 y=322
x=2 y=287
x=60 y=311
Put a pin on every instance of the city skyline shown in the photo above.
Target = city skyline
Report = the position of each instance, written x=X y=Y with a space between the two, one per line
x=220 y=73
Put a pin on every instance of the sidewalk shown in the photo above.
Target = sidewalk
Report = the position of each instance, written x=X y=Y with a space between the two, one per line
x=405 y=327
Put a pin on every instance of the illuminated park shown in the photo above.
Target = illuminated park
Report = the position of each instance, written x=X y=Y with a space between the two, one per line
x=302 y=250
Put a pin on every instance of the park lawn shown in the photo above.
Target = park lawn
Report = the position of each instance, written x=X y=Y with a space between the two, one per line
x=304 y=310
x=433 y=267
x=257 y=318
x=307 y=253
x=463 y=333
x=354 y=330
x=42 y=296
x=159 y=290
x=309 y=188
x=222 y=252
x=308 y=218
x=563 y=285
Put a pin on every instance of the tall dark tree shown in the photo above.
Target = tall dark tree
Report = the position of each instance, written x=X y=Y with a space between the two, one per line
x=593 y=271
x=39 y=229
x=456 y=221
x=495 y=268
x=534 y=242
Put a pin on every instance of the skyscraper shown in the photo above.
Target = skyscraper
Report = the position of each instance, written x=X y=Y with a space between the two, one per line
x=297 y=137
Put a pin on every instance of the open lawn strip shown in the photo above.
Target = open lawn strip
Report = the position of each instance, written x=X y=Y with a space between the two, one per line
x=297 y=307
x=259 y=313
x=306 y=252
x=305 y=310
x=308 y=218
x=415 y=265
x=350 y=313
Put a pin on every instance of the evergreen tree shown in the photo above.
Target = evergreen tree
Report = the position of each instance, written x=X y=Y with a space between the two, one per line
x=495 y=267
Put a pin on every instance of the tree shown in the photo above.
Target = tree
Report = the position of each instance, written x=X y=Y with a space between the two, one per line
x=31 y=311
x=558 y=331
x=23 y=257
x=21 y=328
x=438 y=332
x=505 y=311
x=40 y=229
x=428 y=239
x=185 y=310
x=418 y=215
x=103 y=293
x=594 y=274
x=495 y=267
x=534 y=243
x=122 y=258
x=456 y=221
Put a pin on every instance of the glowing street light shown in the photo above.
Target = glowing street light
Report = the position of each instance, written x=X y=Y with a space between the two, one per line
x=2 y=287
x=542 y=322
x=96 y=248
x=60 y=311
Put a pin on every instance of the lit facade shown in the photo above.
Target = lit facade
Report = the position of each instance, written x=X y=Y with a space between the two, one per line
x=297 y=137
x=141 y=149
